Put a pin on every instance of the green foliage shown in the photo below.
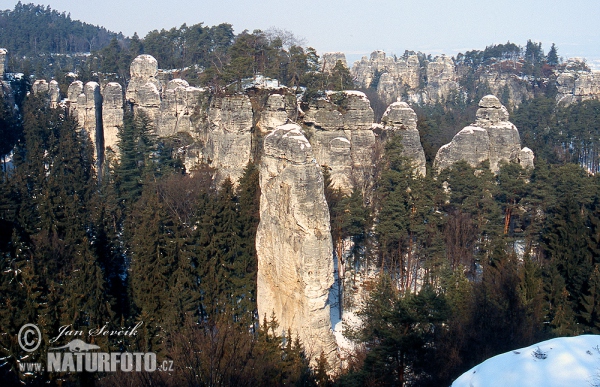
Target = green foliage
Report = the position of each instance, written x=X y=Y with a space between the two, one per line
x=401 y=330
x=552 y=58
x=34 y=29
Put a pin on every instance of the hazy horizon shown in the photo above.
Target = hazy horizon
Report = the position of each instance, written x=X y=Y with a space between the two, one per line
x=357 y=28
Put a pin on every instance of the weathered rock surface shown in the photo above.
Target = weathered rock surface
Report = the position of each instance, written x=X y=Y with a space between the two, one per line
x=330 y=59
x=577 y=83
x=278 y=109
x=3 y=59
x=228 y=136
x=441 y=78
x=75 y=88
x=89 y=115
x=293 y=242
x=400 y=120
x=42 y=86
x=392 y=76
x=177 y=107
x=342 y=138
x=492 y=137
x=500 y=83
x=143 y=90
x=112 y=115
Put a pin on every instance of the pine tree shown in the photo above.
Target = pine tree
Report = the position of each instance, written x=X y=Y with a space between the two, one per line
x=136 y=142
x=552 y=58
x=150 y=269
x=591 y=303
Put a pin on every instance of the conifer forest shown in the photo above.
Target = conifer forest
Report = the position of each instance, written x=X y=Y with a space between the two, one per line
x=443 y=270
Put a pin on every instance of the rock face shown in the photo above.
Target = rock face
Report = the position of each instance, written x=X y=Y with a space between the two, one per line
x=392 y=76
x=3 y=58
x=89 y=116
x=73 y=92
x=500 y=83
x=112 y=115
x=330 y=59
x=42 y=86
x=577 y=83
x=400 y=119
x=406 y=77
x=177 y=108
x=293 y=242
x=227 y=137
x=341 y=137
x=144 y=89
x=278 y=109
x=492 y=137
x=441 y=78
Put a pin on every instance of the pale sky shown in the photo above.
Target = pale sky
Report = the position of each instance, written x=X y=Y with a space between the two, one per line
x=360 y=27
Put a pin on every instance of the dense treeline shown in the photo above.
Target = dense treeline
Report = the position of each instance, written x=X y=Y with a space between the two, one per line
x=561 y=134
x=34 y=29
x=48 y=44
x=149 y=244
x=454 y=268
x=497 y=261
x=469 y=265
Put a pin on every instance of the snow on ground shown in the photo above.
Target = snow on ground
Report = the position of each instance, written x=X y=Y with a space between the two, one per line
x=6 y=162
x=262 y=82
x=560 y=362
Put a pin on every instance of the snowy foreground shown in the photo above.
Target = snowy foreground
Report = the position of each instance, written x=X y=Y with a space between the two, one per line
x=565 y=361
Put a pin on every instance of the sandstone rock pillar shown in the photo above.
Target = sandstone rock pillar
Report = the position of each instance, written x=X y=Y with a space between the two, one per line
x=112 y=114
x=3 y=54
x=400 y=119
x=293 y=242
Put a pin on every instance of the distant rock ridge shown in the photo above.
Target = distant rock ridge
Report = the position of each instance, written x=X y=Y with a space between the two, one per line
x=417 y=79
x=405 y=76
x=330 y=59
x=226 y=132
x=577 y=83
x=492 y=137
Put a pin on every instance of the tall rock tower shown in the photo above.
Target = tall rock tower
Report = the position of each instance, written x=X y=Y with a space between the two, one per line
x=293 y=242
x=3 y=54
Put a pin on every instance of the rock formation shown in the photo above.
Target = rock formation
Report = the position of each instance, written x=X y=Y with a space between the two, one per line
x=441 y=79
x=577 y=83
x=89 y=116
x=177 y=108
x=3 y=55
x=399 y=119
x=42 y=86
x=330 y=59
x=293 y=242
x=492 y=137
x=143 y=90
x=112 y=115
x=227 y=138
x=402 y=77
x=341 y=136
x=75 y=88
x=501 y=82
x=278 y=109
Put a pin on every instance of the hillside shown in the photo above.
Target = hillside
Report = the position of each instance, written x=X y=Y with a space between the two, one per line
x=31 y=29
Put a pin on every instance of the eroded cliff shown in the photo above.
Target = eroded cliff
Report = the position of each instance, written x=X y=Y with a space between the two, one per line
x=293 y=242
